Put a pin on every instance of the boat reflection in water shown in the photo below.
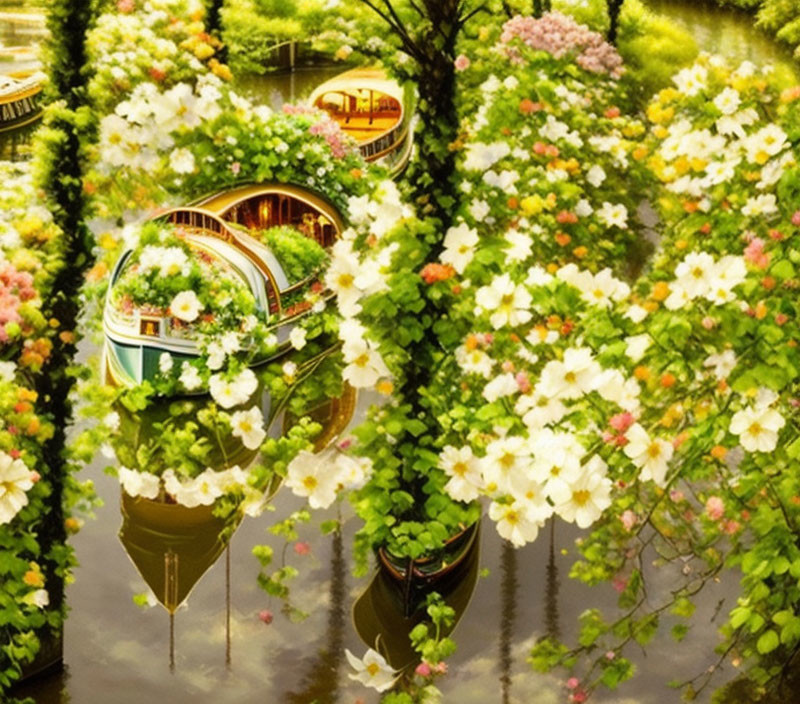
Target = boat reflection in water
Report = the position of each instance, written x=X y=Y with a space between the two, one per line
x=383 y=620
x=173 y=546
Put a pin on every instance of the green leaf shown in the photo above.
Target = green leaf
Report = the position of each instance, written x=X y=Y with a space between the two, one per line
x=767 y=642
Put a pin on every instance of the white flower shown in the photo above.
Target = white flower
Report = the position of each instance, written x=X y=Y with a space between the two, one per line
x=308 y=477
x=479 y=209
x=557 y=457
x=722 y=363
x=531 y=496
x=341 y=279
x=201 y=491
x=372 y=671
x=459 y=247
x=500 y=386
x=297 y=337
x=190 y=378
x=352 y=472
x=690 y=81
x=230 y=342
x=537 y=411
x=234 y=392
x=728 y=101
x=474 y=361
x=7 y=371
x=757 y=428
x=15 y=480
x=464 y=471
x=613 y=215
x=136 y=483
x=181 y=161
x=651 y=455
x=596 y=175
x=636 y=313
x=111 y=421
x=480 y=156
x=571 y=378
x=186 y=306
x=38 y=597
x=765 y=204
x=507 y=460
x=215 y=356
x=165 y=363
x=520 y=246
x=514 y=523
x=694 y=273
x=364 y=364
x=729 y=272
x=637 y=345
x=584 y=501
x=249 y=426
x=506 y=302
x=765 y=143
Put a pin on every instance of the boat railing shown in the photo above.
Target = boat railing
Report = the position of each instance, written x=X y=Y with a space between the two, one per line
x=384 y=144
x=197 y=220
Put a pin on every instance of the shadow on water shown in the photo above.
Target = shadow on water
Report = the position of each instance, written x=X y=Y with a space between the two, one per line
x=321 y=682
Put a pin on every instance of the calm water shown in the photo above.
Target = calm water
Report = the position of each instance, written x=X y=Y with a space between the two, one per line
x=117 y=652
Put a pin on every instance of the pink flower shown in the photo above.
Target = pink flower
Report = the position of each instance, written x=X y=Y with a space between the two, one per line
x=302 y=548
x=621 y=422
x=579 y=697
x=731 y=527
x=441 y=668
x=344 y=444
x=619 y=583
x=796 y=219
x=462 y=63
x=629 y=520
x=265 y=616
x=755 y=254
x=126 y=6
x=708 y=323
x=236 y=167
x=715 y=508
x=423 y=670
x=610 y=655
x=676 y=495
x=573 y=682
x=523 y=382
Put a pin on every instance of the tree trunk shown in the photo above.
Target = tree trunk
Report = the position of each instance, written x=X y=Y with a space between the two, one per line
x=614 y=10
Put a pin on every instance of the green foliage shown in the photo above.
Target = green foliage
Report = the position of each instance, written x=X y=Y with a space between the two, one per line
x=299 y=255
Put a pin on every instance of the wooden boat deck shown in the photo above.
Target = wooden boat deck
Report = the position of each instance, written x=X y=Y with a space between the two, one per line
x=362 y=130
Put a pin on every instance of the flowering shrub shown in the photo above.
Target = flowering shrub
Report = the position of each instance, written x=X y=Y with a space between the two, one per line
x=160 y=41
x=560 y=35
x=712 y=343
x=29 y=253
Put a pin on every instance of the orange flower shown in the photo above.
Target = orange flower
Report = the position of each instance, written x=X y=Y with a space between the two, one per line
x=718 y=452
x=660 y=291
x=563 y=239
x=513 y=203
x=668 y=380
x=641 y=373
x=433 y=272
x=385 y=387
x=580 y=252
x=33 y=577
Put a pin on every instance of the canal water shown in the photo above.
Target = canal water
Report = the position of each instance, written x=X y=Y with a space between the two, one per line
x=220 y=651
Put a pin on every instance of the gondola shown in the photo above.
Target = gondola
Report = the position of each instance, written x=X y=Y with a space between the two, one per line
x=221 y=228
x=374 y=110
x=19 y=99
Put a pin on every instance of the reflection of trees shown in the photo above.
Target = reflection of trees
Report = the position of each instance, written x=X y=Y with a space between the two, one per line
x=551 y=625
x=321 y=684
x=508 y=610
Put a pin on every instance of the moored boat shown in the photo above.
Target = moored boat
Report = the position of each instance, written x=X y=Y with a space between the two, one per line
x=382 y=616
x=19 y=99
x=374 y=110
x=223 y=230
x=415 y=577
